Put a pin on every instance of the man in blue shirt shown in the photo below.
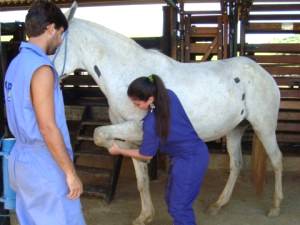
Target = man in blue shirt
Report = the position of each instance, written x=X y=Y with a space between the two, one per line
x=40 y=165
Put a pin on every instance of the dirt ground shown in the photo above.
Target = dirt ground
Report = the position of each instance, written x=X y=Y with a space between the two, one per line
x=245 y=208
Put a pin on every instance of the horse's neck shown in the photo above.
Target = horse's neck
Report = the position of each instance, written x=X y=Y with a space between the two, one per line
x=118 y=57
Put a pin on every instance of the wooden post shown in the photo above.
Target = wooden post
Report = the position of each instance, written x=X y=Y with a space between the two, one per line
x=243 y=37
x=173 y=31
x=186 y=45
x=225 y=36
x=181 y=30
x=233 y=21
x=220 y=37
x=167 y=31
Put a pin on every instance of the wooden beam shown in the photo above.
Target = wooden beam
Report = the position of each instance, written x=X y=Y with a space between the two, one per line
x=279 y=48
x=204 y=20
x=278 y=59
x=289 y=116
x=275 y=17
x=288 y=81
x=79 y=80
x=203 y=31
x=281 y=7
x=273 y=28
x=203 y=12
x=201 y=48
x=289 y=126
x=212 y=47
x=282 y=70
x=287 y=138
x=293 y=93
x=290 y=105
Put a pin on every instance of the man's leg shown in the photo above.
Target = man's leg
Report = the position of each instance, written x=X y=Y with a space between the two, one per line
x=43 y=189
x=23 y=217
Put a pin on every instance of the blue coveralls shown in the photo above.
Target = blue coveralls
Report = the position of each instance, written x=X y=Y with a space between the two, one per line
x=189 y=160
x=40 y=185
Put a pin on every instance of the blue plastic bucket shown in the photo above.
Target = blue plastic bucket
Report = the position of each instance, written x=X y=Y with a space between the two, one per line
x=9 y=195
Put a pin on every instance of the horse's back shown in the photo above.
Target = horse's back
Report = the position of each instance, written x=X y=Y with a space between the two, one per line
x=214 y=94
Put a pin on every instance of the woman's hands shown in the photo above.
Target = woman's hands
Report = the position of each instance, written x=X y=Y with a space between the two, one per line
x=134 y=153
x=115 y=149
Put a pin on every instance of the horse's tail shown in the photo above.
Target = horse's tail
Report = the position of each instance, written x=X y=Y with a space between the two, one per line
x=259 y=160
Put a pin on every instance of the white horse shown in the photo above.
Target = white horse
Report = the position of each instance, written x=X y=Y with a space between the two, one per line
x=217 y=96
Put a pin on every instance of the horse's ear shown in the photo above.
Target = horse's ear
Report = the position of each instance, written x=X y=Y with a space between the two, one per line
x=70 y=13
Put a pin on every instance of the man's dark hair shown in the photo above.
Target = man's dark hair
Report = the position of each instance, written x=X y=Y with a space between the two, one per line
x=40 y=15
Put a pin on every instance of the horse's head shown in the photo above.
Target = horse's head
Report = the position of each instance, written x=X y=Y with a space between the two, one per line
x=66 y=59
x=99 y=50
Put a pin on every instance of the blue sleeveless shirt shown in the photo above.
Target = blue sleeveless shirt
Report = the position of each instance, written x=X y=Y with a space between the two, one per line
x=19 y=109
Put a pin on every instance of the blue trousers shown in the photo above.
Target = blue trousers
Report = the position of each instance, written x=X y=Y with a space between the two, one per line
x=41 y=189
x=185 y=179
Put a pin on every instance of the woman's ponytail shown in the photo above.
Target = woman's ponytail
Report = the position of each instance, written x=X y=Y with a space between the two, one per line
x=162 y=107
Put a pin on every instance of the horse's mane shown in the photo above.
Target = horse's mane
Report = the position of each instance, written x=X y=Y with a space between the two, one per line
x=110 y=35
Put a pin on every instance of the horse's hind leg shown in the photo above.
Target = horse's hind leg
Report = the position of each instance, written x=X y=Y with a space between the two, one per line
x=235 y=154
x=268 y=138
x=147 y=211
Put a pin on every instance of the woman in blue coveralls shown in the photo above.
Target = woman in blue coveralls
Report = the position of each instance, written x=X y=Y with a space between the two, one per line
x=168 y=128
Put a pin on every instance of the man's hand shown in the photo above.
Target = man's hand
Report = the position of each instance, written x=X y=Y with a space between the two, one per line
x=75 y=186
x=115 y=149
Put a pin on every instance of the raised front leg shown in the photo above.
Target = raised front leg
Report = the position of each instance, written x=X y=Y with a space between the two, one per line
x=126 y=134
x=131 y=134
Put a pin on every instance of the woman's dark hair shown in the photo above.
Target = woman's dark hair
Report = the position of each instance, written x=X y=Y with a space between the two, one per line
x=142 y=89
x=40 y=15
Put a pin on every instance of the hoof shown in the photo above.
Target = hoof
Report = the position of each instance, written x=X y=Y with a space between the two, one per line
x=274 y=212
x=138 y=222
x=143 y=220
x=99 y=138
x=213 y=209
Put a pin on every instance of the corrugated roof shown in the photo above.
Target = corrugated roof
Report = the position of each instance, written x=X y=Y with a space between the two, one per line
x=24 y=4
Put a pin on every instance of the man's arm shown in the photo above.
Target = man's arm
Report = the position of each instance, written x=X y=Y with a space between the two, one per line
x=41 y=89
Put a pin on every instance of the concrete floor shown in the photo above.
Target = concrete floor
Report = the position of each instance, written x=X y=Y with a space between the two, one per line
x=245 y=208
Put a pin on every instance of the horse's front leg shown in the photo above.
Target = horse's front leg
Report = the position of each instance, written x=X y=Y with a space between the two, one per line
x=147 y=210
x=124 y=133
x=130 y=131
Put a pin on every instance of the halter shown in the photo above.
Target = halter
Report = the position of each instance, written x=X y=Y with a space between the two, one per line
x=65 y=38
